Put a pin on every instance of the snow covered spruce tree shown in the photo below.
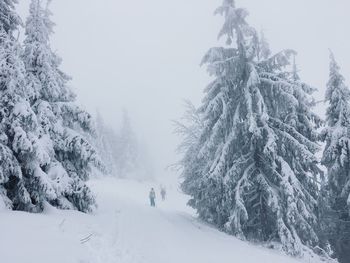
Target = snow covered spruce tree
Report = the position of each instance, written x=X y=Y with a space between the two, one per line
x=123 y=154
x=107 y=144
x=336 y=158
x=127 y=161
x=17 y=121
x=9 y=20
x=45 y=155
x=253 y=172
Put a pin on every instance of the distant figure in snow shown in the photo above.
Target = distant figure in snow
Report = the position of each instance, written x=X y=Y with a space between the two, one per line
x=163 y=192
x=152 y=197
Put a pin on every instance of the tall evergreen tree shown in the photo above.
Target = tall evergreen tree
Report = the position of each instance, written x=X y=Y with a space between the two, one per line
x=45 y=156
x=107 y=144
x=128 y=148
x=253 y=172
x=64 y=127
x=18 y=125
x=123 y=154
x=336 y=158
x=263 y=48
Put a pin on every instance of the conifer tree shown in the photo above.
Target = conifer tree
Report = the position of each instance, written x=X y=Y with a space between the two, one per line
x=253 y=172
x=18 y=125
x=127 y=161
x=64 y=127
x=107 y=144
x=124 y=155
x=45 y=156
x=336 y=158
x=9 y=20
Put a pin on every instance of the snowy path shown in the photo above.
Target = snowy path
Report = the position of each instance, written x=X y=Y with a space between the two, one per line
x=125 y=229
x=169 y=233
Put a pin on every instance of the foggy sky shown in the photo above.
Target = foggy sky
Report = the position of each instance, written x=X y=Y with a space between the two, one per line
x=144 y=55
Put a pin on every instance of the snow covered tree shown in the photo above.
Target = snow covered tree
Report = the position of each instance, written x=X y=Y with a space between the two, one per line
x=263 y=48
x=63 y=125
x=336 y=158
x=9 y=20
x=128 y=148
x=107 y=144
x=42 y=128
x=253 y=172
x=123 y=154
x=18 y=138
x=189 y=128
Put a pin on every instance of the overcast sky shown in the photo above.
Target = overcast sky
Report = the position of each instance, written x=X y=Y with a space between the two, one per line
x=144 y=55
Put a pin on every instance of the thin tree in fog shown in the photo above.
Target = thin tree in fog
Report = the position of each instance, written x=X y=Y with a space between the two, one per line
x=189 y=127
x=124 y=155
x=336 y=157
x=128 y=148
x=106 y=143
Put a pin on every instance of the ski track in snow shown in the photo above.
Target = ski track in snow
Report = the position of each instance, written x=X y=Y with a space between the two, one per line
x=124 y=229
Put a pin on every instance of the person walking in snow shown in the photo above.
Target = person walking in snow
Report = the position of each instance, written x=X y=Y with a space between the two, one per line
x=152 y=197
x=163 y=192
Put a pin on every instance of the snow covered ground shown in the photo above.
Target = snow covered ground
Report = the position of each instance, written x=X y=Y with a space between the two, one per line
x=124 y=229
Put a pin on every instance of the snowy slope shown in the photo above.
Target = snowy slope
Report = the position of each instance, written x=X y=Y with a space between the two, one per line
x=124 y=229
